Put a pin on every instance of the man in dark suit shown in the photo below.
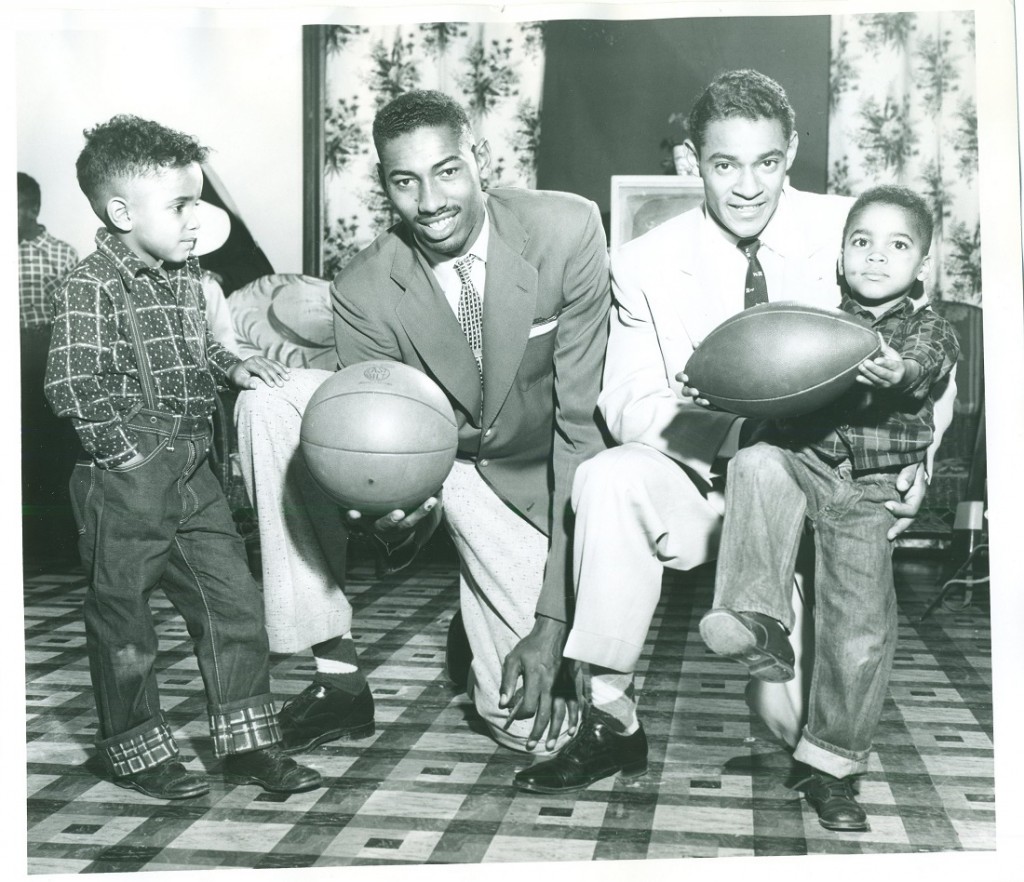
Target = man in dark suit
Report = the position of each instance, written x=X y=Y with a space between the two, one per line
x=502 y=298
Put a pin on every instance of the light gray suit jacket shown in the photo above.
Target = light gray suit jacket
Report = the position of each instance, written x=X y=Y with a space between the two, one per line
x=546 y=303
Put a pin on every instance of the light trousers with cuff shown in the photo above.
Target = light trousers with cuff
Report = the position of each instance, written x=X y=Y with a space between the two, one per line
x=303 y=540
x=637 y=512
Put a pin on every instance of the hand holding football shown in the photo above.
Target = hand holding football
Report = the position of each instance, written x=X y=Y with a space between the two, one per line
x=780 y=359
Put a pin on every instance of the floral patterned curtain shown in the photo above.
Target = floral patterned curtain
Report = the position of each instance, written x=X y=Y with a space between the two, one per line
x=903 y=111
x=495 y=70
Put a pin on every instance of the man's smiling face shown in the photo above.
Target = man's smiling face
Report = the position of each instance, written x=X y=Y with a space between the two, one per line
x=432 y=177
x=743 y=164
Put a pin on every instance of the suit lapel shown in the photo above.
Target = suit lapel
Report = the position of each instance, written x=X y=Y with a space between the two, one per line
x=510 y=296
x=675 y=295
x=433 y=328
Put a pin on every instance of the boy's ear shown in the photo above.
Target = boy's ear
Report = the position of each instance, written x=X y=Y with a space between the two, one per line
x=925 y=269
x=117 y=212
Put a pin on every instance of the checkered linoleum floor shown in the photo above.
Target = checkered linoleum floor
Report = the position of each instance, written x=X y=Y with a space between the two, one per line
x=428 y=787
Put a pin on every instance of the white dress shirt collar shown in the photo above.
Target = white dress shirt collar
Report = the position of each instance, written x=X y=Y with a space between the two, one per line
x=447 y=277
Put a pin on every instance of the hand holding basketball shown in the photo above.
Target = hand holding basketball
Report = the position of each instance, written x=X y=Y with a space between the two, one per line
x=380 y=437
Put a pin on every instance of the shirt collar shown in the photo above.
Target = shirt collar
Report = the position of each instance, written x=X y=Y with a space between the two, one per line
x=779 y=233
x=40 y=234
x=128 y=263
x=904 y=307
x=478 y=249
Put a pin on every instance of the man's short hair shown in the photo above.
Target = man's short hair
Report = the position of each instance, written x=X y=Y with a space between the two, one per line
x=28 y=191
x=128 y=147
x=743 y=94
x=418 y=109
x=901 y=197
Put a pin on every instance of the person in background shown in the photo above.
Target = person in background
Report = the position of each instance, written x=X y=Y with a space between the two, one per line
x=43 y=259
x=133 y=366
x=49 y=446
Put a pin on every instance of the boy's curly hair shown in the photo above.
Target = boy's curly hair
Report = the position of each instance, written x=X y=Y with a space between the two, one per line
x=416 y=109
x=743 y=94
x=126 y=147
x=914 y=206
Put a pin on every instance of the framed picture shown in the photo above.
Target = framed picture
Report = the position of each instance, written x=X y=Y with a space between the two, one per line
x=641 y=202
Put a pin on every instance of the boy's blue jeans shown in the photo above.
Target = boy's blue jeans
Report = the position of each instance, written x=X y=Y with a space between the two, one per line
x=769 y=493
x=166 y=522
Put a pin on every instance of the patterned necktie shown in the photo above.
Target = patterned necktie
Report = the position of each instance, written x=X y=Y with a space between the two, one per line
x=471 y=311
x=756 y=290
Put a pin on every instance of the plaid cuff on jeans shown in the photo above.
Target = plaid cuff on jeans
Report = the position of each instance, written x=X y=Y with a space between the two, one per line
x=247 y=728
x=141 y=751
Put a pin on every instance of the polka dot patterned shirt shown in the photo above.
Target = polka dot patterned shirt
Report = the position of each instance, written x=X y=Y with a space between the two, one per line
x=93 y=373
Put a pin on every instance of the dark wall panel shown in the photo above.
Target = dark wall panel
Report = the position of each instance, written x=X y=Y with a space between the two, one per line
x=609 y=88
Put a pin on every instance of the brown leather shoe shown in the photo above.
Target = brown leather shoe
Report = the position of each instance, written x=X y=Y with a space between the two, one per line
x=751 y=638
x=833 y=799
x=271 y=769
x=169 y=780
x=322 y=713
x=595 y=752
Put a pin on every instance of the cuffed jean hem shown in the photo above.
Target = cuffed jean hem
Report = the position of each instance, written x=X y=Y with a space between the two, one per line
x=249 y=727
x=828 y=758
x=146 y=746
x=603 y=650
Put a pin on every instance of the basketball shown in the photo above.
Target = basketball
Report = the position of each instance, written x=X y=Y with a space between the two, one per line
x=780 y=359
x=379 y=436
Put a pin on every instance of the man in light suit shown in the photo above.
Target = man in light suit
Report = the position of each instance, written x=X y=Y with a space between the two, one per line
x=656 y=499
x=501 y=298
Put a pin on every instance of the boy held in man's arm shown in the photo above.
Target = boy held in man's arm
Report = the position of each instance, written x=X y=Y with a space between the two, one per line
x=837 y=468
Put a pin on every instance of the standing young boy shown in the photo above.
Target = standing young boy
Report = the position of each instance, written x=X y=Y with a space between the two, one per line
x=837 y=468
x=133 y=365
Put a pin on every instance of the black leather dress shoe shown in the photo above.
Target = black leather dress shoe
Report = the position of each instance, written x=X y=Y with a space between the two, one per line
x=595 y=752
x=170 y=780
x=271 y=769
x=833 y=799
x=322 y=713
x=458 y=656
x=753 y=639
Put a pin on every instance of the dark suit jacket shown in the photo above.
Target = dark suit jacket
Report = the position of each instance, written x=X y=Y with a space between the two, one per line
x=546 y=304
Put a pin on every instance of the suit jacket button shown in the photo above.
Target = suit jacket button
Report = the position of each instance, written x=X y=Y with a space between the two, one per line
x=484 y=462
x=488 y=432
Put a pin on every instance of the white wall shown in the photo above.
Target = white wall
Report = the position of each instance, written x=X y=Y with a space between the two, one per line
x=239 y=91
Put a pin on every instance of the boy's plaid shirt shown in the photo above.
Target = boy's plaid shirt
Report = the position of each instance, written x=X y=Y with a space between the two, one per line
x=92 y=374
x=884 y=428
x=43 y=262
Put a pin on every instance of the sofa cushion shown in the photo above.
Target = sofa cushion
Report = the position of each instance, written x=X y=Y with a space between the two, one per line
x=287 y=317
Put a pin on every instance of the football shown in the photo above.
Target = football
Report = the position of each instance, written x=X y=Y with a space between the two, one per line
x=780 y=359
